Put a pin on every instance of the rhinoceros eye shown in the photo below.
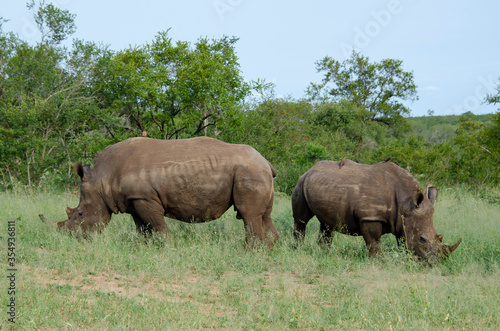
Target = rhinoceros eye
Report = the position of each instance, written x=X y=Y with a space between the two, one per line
x=422 y=239
x=80 y=213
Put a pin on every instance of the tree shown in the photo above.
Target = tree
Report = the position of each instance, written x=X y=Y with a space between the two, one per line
x=346 y=121
x=494 y=98
x=174 y=90
x=491 y=135
x=58 y=105
x=476 y=160
x=280 y=130
x=44 y=104
x=380 y=88
x=54 y=24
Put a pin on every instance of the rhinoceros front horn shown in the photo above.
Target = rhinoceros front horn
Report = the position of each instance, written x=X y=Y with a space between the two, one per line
x=450 y=249
x=46 y=221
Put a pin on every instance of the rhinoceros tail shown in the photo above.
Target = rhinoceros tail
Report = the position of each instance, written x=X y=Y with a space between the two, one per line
x=273 y=170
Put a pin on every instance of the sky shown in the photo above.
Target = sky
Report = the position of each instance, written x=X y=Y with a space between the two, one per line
x=452 y=47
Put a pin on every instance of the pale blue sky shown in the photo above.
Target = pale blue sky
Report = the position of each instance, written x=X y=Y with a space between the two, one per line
x=452 y=47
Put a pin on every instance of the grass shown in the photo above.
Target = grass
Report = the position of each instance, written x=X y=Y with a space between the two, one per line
x=201 y=277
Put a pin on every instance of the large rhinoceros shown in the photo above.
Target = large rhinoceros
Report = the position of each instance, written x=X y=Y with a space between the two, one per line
x=369 y=200
x=191 y=180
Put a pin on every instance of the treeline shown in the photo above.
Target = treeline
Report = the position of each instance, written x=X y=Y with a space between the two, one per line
x=60 y=105
x=295 y=135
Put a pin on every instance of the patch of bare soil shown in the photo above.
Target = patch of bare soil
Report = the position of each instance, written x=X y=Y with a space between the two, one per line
x=120 y=285
x=193 y=289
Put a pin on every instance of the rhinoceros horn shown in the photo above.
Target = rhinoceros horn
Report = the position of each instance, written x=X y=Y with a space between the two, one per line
x=46 y=221
x=449 y=249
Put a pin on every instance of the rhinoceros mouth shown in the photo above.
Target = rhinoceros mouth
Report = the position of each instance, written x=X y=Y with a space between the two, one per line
x=431 y=255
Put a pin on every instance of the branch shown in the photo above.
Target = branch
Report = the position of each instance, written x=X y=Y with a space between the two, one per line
x=378 y=95
x=383 y=121
x=176 y=132
x=72 y=87
x=160 y=126
x=109 y=130
x=201 y=126
x=136 y=120
x=487 y=150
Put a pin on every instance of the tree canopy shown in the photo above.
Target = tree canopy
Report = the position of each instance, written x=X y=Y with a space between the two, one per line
x=174 y=90
x=380 y=87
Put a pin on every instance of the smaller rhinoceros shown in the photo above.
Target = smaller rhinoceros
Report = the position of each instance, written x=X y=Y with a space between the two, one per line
x=192 y=180
x=369 y=200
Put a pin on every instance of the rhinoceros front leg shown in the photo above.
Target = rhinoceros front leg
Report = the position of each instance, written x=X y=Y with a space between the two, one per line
x=141 y=226
x=372 y=231
x=148 y=217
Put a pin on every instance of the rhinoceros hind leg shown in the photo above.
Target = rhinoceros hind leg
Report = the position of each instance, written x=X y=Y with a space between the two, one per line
x=325 y=235
x=253 y=201
x=270 y=232
x=372 y=231
x=301 y=215
x=148 y=217
x=254 y=233
x=259 y=229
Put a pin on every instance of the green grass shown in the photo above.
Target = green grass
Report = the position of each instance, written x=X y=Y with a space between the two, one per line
x=202 y=277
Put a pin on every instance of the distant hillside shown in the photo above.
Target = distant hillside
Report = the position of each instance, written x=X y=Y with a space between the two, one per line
x=437 y=129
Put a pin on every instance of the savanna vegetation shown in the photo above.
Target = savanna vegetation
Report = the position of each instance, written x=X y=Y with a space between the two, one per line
x=60 y=105
x=202 y=277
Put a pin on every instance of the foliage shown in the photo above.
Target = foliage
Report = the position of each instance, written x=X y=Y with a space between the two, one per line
x=479 y=161
x=272 y=122
x=174 y=90
x=54 y=24
x=439 y=129
x=44 y=105
x=494 y=98
x=350 y=134
x=380 y=88
x=470 y=157
x=61 y=105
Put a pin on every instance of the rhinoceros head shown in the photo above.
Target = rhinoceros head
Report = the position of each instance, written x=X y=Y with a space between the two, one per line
x=418 y=226
x=91 y=214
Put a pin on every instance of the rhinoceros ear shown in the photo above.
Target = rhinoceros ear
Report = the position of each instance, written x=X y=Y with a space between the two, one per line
x=82 y=171
x=431 y=192
x=418 y=198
